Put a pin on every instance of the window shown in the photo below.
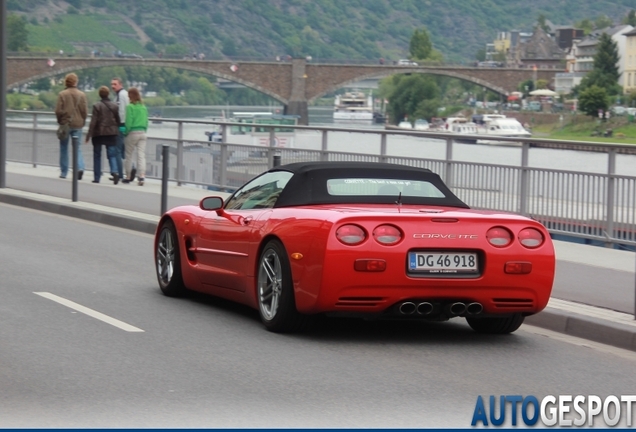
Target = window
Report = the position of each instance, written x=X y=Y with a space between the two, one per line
x=382 y=187
x=262 y=192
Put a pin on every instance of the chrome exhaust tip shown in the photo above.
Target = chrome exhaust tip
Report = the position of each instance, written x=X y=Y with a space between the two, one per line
x=424 y=308
x=457 y=308
x=474 y=308
x=407 y=308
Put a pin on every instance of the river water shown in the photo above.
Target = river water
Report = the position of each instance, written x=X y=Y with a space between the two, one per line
x=366 y=143
x=414 y=147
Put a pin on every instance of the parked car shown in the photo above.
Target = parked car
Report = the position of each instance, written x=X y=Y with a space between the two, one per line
x=372 y=240
x=406 y=62
x=619 y=110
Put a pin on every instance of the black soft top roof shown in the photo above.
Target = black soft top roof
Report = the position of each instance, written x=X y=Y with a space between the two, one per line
x=308 y=185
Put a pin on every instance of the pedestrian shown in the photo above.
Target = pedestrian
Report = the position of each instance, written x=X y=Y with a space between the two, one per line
x=136 y=127
x=104 y=129
x=121 y=97
x=71 y=109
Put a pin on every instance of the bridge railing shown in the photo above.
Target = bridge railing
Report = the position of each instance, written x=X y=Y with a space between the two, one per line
x=596 y=203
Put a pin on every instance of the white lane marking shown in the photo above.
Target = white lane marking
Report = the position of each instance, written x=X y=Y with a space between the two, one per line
x=90 y=312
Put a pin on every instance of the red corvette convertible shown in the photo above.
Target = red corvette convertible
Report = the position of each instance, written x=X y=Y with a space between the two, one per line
x=368 y=239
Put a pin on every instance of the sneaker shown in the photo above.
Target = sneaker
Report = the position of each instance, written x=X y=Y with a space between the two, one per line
x=62 y=176
x=115 y=178
x=80 y=173
x=132 y=174
x=126 y=181
x=141 y=181
x=95 y=181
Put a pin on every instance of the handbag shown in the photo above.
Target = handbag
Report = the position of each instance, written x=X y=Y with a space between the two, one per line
x=63 y=131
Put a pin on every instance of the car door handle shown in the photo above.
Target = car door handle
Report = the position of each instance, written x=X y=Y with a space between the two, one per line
x=247 y=220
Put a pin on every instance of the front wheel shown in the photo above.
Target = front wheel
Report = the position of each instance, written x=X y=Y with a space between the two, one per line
x=275 y=291
x=496 y=325
x=168 y=261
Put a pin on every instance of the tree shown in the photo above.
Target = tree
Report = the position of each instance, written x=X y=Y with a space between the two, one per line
x=630 y=19
x=593 y=99
x=410 y=96
x=481 y=54
x=17 y=34
x=586 y=25
x=420 y=46
x=605 y=72
x=602 y=22
x=541 y=23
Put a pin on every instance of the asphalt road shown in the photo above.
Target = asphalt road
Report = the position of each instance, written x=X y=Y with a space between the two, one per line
x=204 y=362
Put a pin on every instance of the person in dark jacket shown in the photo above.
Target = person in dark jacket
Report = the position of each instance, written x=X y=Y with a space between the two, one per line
x=104 y=129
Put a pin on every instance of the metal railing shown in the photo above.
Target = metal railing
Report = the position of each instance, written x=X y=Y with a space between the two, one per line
x=594 y=205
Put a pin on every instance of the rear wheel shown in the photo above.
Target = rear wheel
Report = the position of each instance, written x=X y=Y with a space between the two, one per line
x=496 y=325
x=275 y=291
x=168 y=261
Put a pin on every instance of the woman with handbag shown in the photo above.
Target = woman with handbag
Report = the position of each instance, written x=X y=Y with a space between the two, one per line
x=103 y=129
x=71 y=111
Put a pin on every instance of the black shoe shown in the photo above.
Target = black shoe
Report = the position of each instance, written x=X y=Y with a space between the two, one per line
x=63 y=177
x=125 y=181
x=141 y=181
x=115 y=178
x=132 y=174
x=95 y=181
x=80 y=174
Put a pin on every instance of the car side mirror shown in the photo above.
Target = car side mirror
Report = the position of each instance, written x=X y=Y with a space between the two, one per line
x=211 y=203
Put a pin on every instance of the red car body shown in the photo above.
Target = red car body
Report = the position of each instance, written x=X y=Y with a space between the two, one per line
x=387 y=256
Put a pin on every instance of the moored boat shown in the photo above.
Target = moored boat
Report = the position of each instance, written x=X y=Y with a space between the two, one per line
x=353 y=106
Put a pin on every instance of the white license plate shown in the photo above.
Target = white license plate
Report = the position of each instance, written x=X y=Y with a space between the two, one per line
x=442 y=262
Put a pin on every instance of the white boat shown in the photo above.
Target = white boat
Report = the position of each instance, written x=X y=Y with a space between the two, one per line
x=421 y=124
x=498 y=125
x=353 y=106
x=252 y=131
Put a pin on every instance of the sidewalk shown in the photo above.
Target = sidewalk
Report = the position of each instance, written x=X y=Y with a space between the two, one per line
x=137 y=208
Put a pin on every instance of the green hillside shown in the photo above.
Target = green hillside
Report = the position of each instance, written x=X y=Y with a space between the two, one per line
x=323 y=29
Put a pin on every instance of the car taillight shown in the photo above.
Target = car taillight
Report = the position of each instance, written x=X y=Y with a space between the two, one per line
x=499 y=236
x=387 y=234
x=351 y=234
x=531 y=238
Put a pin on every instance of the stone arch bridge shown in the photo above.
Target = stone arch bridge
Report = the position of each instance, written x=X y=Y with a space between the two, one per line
x=293 y=83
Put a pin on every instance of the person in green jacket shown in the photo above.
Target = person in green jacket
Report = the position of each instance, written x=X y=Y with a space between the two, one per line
x=136 y=127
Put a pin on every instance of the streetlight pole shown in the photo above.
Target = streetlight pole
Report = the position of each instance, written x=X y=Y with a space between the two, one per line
x=3 y=93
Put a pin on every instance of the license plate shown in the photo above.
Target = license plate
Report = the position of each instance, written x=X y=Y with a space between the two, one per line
x=443 y=262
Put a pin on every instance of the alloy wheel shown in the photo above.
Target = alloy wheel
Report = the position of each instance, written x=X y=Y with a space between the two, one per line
x=165 y=256
x=270 y=283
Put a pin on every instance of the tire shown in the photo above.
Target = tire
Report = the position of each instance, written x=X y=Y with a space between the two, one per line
x=275 y=291
x=496 y=325
x=168 y=261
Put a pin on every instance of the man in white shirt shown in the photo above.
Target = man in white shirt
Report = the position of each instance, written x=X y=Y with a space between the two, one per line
x=122 y=101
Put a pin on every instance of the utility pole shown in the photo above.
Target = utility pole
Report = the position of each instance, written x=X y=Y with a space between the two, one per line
x=3 y=94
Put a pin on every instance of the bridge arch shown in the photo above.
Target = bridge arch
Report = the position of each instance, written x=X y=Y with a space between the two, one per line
x=199 y=68
x=374 y=75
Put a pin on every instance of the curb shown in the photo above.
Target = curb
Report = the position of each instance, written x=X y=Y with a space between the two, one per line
x=99 y=214
x=585 y=327
x=600 y=330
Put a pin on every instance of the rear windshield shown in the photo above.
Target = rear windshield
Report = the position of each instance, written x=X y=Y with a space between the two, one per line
x=382 y=187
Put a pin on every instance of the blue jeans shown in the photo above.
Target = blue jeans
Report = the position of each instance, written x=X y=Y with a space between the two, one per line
x=111 y=155
x=121 y=154
x=64 y=145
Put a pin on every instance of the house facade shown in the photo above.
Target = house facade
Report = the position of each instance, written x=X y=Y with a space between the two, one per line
x=629 y=62
x=540 y=51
